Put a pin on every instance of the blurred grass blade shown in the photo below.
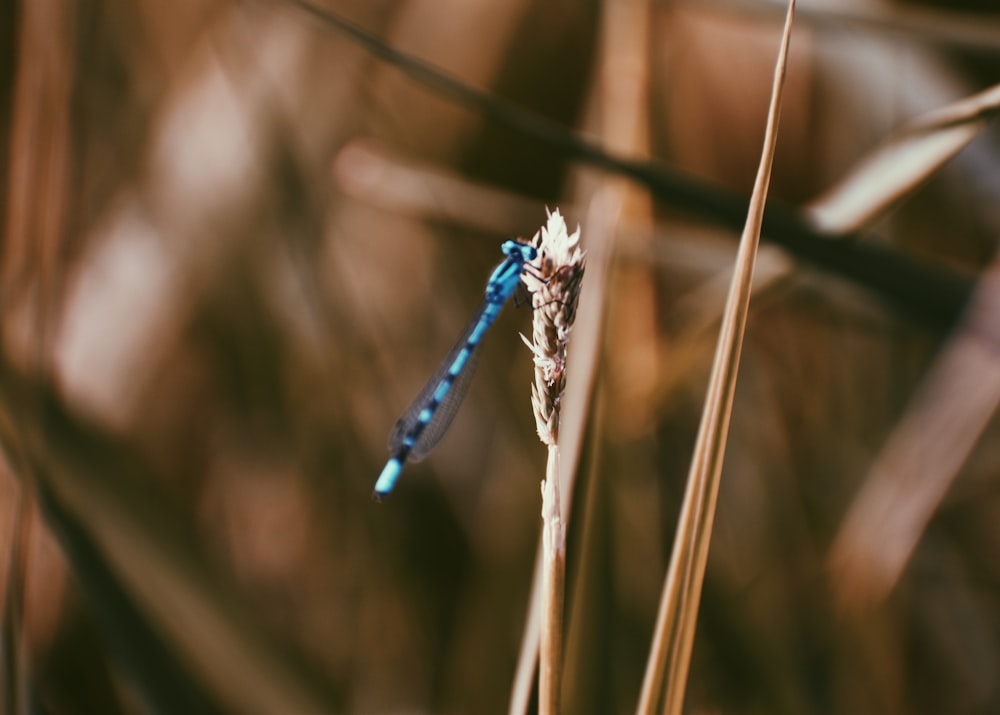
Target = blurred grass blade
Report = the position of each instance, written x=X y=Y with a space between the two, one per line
x=957 y=27
x=11 y=639
x=934 y=294
x=901 y=164
x=923 y=456
x=102 y=496
x=148 y=662
x=669 y=659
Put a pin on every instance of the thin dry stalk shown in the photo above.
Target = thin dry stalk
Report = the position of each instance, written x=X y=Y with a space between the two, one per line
x=555 y=286
x=553 y=590
x=527 y=659
x=670 y=655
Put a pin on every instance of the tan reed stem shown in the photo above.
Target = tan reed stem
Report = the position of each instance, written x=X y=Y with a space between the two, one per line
x=554 y=281
x=553 y=590
x=670 y=655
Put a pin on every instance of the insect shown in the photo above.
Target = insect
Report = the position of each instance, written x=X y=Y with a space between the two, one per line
x=427 y=419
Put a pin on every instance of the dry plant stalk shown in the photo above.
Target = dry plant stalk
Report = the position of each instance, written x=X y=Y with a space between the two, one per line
x=555 y=287
x=670 y=654
x=902 y=163
x=553 y=592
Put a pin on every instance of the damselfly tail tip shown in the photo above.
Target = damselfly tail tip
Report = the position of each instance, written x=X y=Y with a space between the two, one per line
x=387 y=479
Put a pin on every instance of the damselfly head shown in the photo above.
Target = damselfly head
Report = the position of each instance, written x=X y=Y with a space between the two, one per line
x=526 y=250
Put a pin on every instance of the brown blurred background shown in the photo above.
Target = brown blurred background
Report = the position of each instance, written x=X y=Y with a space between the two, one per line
x=237 y=239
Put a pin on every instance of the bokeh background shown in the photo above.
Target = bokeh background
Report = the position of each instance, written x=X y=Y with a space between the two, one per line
x=238 y=236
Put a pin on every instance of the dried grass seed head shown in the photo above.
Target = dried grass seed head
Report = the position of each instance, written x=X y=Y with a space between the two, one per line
x=554 y=282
